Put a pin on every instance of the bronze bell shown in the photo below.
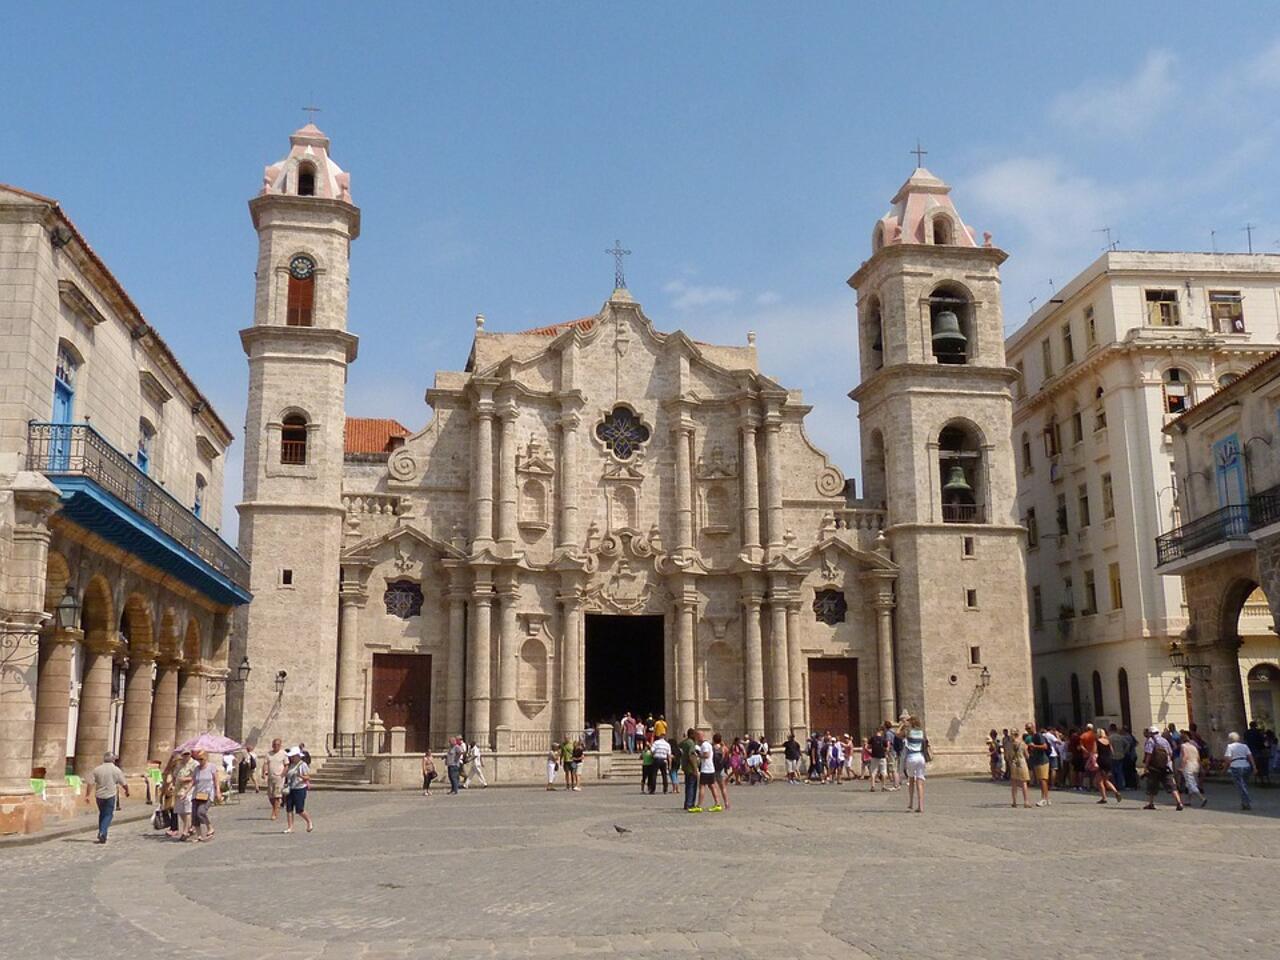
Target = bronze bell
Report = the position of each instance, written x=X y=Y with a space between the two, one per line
x=956 y=482
x=878 y=346
x=946 y=332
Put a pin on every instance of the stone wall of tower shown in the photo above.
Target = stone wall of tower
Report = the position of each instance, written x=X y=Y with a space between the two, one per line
x=291 y=520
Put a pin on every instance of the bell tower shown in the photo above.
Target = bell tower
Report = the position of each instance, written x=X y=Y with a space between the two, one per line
x=291 y=517
x=935 y=412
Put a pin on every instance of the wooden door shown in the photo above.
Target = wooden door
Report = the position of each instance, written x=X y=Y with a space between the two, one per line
x=402 y=695
x=833 y=695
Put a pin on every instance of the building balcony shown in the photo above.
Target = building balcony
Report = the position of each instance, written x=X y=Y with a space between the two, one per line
x=106 y=494
x=1205 y=540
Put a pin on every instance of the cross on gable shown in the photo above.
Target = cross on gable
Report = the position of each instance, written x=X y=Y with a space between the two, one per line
x=920 y=153
x=619 y=278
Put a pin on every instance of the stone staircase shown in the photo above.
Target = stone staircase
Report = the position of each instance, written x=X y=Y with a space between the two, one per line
x=625 y=768
x=334 y=773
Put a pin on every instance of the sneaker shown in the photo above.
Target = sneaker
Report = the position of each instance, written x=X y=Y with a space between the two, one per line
x=1149 y=806
x=1042 y=803
x=1203 y=800
x=1103 y=800
x=288 y=829
x=695 y=809
x=1178 y=807
x=717 y=809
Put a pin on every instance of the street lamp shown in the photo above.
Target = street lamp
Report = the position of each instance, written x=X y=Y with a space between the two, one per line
x=984 y=678
x=1177 y=656
x=242 y=672
x=281 y=676
x=67 y=613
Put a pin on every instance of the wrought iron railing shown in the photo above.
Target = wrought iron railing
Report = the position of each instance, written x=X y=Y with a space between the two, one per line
x=962 y=513
x=1264 y=507
x=76 y=449
x=1232 y=522
x=344 y=745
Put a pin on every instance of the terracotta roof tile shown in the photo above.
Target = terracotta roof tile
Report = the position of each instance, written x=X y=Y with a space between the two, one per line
x=372 y=434
x=582 y=323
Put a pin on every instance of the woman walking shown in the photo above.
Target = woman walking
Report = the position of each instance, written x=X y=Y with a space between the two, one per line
x=575 y=763
x=428 y=773
x=204 y=791
x=553 y=764
x=915 y=759
x=1105 y=760
x=297 y=780
x=720 y=760
x=1015 y=761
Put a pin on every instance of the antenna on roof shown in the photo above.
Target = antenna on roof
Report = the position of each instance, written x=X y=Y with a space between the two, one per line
x=1111 y=244
x=1052 y=289
x=1248 y=228
x=1213 y=240
x=1032 y=303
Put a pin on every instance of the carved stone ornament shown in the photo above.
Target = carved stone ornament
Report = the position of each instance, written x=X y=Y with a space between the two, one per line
x=402 y=465
x=830 y=482
x=535 y=458
x=829 y=606
x=715 y=466
x=829 y=572
x=404 y=561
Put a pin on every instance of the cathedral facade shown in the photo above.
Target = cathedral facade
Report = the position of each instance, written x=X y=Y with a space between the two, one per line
x=603 y=517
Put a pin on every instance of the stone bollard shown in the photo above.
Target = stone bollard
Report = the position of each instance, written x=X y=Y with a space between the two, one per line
x=373 y=736
x=396 y=739
x=604 y=754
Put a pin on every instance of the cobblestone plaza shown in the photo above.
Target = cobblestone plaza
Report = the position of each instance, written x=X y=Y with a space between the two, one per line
x=789 y=872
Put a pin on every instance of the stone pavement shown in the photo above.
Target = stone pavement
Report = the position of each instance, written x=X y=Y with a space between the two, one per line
x=789 y=872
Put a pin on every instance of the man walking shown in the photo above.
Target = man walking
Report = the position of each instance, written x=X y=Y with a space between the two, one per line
x=1157 y=755
x=689 y=769
x=107 y=780
x=477 y=766
x=277 y=764
x=1038 y=761
x=453 y=763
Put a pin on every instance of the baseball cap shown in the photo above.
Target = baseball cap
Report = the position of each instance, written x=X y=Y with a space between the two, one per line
x=293 y=752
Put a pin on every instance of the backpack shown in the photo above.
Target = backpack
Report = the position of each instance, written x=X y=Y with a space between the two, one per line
x=1159 y=759
x=717 y=758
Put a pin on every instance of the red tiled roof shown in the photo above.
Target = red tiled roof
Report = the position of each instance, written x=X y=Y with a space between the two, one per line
x=124 y=297
x=582 y=323
x=372 y=434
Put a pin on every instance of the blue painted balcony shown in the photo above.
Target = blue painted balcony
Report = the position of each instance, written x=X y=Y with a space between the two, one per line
x=106 y=494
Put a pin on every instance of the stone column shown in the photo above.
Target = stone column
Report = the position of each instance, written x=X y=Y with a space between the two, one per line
x=795 y=670
x=93 y=731
x=135 y=736
x=773 y=477
x=22 y=592
x=753 y=657
x=571 y=717
x=478 y=659
x=779 y=677
x=190 y=693
x=567 y=535
x=482 y=472
x=456 y=656
x=683 y=436
x=884 y=655
x=750 y=484
x=507 y=479
x=686 y=704
x=351 y=600
x=508 y=650
x=53 y=701
x=164 y=710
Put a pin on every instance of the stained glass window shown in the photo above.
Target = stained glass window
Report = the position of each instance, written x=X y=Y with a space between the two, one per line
x=403 y=599
x=829 y=606
x=622 y=432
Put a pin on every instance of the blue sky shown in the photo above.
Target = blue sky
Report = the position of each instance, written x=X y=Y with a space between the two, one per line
x=742 y=151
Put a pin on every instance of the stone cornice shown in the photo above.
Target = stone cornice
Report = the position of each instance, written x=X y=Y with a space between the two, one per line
x=348 y=342
x=899 y=251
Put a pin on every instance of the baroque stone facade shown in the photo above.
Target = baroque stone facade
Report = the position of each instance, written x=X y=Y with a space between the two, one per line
x=601 y=516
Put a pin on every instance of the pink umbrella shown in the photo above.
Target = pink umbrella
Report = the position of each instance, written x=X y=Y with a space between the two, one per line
x=210 y=743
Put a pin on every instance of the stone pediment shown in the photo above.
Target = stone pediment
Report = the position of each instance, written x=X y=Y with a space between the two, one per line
x=404 y=541
x=822 y=556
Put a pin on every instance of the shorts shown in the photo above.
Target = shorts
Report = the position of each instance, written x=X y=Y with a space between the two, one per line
x=295 y=801
x=879 y=765
x=793 y=766
x=275 y=787
x=1040 y=771
x=182 y=806
x=706 y=779
x=914 y=766
x=1160 y=778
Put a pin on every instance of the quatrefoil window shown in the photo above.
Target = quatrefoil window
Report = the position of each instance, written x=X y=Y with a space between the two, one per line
x=403 y=599
x=622 y=433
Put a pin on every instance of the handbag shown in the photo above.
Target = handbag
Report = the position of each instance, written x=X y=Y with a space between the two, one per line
x=928 y=751
x=202 y=797
x=158 y=819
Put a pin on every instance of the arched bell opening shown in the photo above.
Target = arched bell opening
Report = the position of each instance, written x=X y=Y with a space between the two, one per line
x=951 y=324
x=962 y=474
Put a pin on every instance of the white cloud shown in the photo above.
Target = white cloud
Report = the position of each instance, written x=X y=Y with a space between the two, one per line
x=687 y=296
x=1113 y=108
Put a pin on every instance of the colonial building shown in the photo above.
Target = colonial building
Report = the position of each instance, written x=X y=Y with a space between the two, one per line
x=1119 y=352
x=1226 y=549
x=115 y=588
x=600 y=516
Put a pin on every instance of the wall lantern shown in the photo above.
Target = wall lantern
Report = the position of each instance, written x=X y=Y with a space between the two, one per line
x=281 y=676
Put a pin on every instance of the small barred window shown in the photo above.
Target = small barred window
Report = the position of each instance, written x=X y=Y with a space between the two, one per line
x=403 y=599
x=829 y=606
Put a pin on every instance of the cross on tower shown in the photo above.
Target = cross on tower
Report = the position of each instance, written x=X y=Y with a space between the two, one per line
x=920 y=153
x=619 y=278
x=312 y=111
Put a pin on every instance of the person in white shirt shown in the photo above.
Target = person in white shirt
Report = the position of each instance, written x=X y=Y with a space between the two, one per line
x=1240 y=764
x=707 y=776
x=661 y=759
x=477 y=766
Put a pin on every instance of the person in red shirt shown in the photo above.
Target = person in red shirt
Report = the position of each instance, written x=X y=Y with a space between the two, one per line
x=1089 y=755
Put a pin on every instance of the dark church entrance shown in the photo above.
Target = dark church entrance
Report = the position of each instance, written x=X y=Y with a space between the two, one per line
x=624 y=667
